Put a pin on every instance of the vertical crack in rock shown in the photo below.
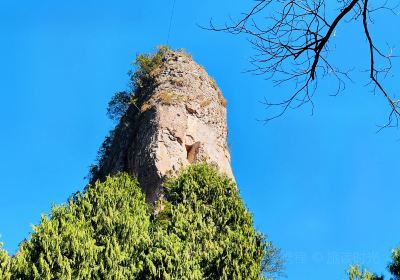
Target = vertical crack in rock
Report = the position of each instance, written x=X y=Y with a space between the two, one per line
x=179 y=119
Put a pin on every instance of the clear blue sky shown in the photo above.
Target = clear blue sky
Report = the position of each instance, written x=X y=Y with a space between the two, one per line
x=324 y=188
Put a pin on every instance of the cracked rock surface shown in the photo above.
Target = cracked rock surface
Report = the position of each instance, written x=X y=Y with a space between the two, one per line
x=180 y=119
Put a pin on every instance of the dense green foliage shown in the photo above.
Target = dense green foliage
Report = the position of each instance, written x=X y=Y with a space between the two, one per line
x=147 y=66
x=118 y=105
x=200 y=230
x=5 y=264
x=355 y=273
x=98 y=234
x=205 y=224
x=394 y=268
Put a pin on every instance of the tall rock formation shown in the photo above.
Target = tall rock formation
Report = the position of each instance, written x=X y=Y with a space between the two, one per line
x=177 y=117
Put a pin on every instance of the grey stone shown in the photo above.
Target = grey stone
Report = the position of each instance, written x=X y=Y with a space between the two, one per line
x=179 y=119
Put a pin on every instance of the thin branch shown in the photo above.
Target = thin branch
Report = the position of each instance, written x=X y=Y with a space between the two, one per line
x=292 y=39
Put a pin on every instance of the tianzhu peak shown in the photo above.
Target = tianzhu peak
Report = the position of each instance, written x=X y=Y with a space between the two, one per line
x=176 y=116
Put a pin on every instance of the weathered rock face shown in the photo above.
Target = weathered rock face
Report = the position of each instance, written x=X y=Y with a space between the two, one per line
x=177 y=120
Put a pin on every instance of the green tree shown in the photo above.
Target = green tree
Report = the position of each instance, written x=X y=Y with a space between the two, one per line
x=5 y=264
x=199 y=230
x=205 y=232
x=394 y=267
x=356 y=274
x=98 y=234
x=118 y=105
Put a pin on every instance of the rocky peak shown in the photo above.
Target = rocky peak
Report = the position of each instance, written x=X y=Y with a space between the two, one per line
x=177 y=117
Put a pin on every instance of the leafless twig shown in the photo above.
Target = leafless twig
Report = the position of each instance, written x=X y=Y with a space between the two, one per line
x=292 y=39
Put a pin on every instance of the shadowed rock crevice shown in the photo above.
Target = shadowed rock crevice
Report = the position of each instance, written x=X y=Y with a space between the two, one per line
x=192 y=151
x=178 y=118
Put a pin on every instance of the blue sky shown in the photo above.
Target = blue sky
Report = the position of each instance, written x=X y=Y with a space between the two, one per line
x=323 y=187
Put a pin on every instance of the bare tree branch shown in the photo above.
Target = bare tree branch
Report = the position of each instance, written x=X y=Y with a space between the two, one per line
x=394 y=104
x=292 y=39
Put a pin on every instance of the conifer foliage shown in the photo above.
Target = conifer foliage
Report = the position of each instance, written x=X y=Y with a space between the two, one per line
x=199 y=230
x=98 y=234
x=5 y=262
x=394 y=267
x=355 y=273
